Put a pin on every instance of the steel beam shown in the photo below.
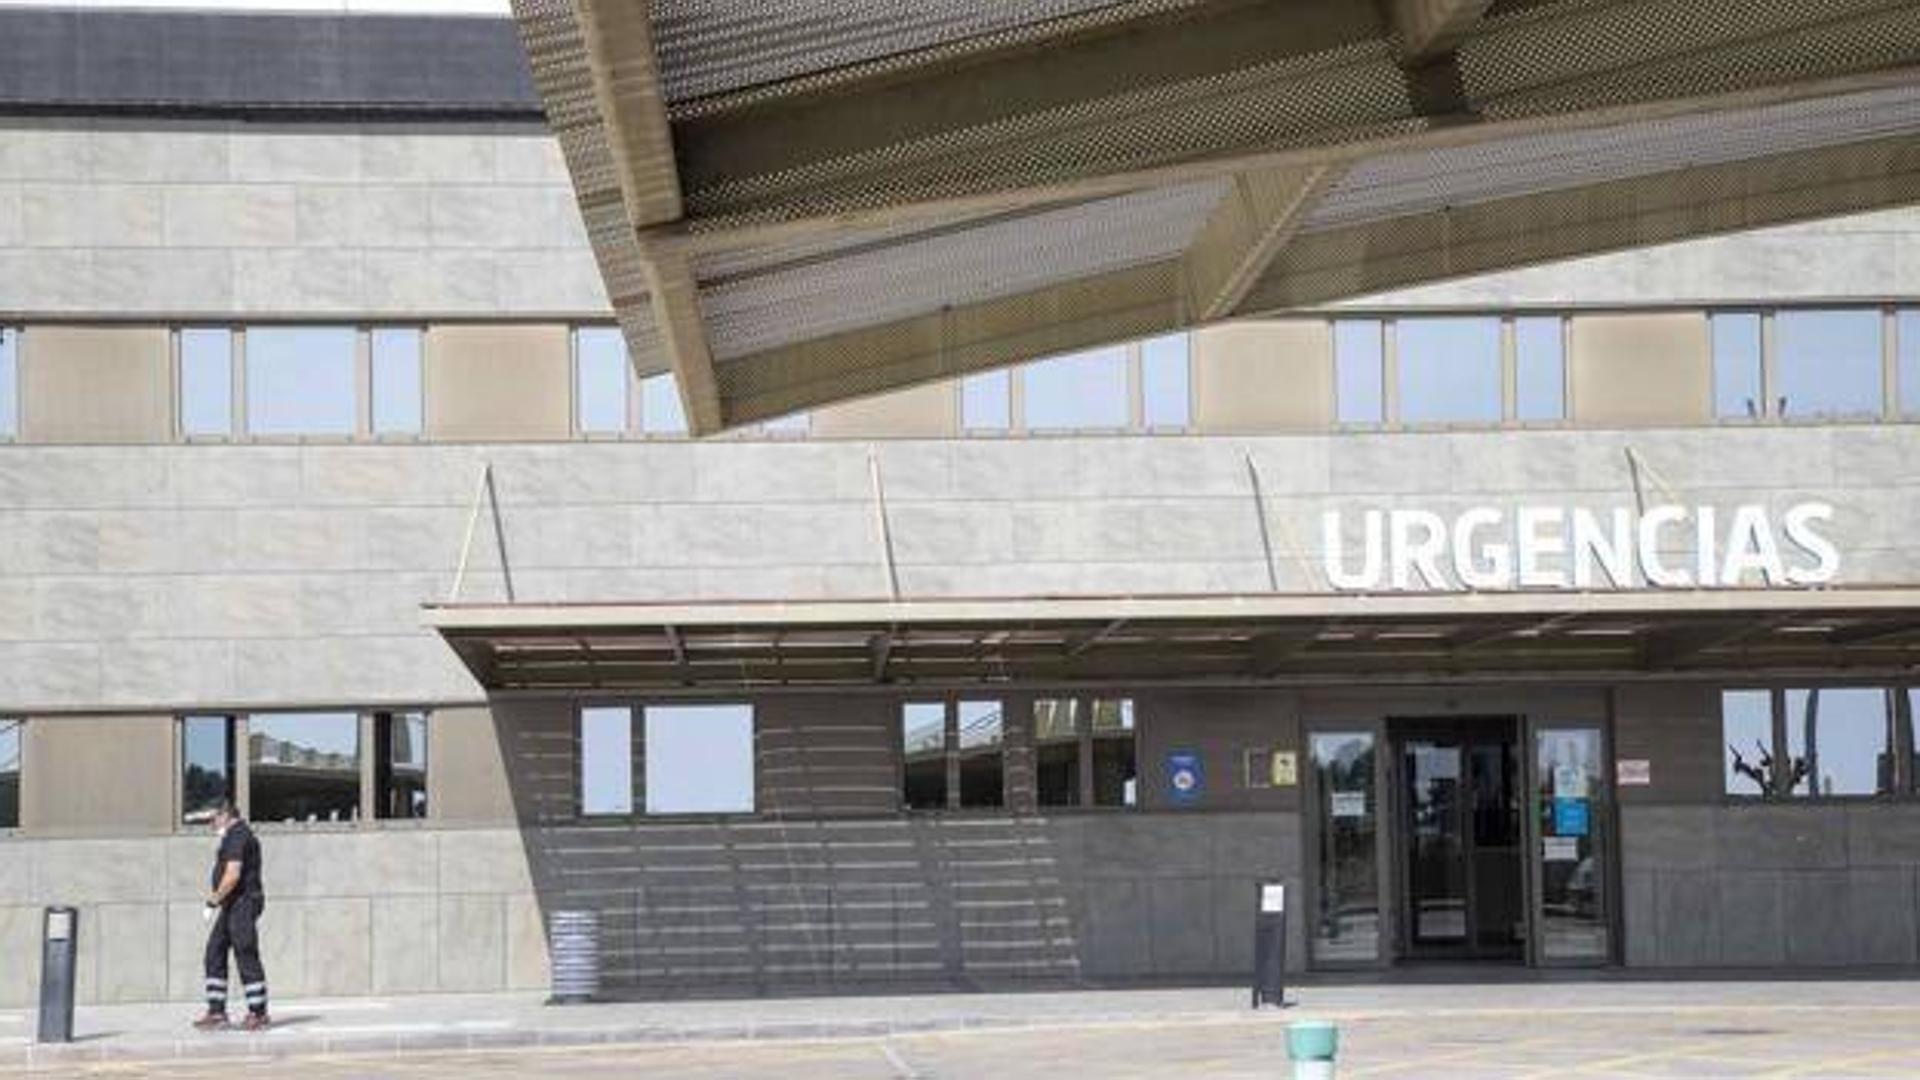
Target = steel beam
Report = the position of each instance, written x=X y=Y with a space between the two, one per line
x=1253 y=221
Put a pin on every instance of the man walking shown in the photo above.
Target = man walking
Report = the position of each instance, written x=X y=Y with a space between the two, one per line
x=233 y=909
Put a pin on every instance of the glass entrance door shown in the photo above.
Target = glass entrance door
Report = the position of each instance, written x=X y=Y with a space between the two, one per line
x=1572 y=826
x=1460 y=826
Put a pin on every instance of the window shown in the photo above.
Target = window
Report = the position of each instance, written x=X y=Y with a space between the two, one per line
x=1359 y=372
x=1115 y=779
x=400 y=765
x=396 y=356
x=1100 y=732
x=1056 y=752
x=1449 y=370
x=699 y=759
x=9 y=774
x=1828 y=362
x=1736 y=365
x=1084 y=391
x=303 y=767
x=1165 y=393
x=1815 y=741
x=1906 y=333
x=660 y=409
x=1840 y=740
x=206 y=381
x=1539 y=369
x=1346 y=917
x=982 y=755
x=606 y=761
x=206 y=766
x=9 y=382
x=986 y=401
x=923 y=755
x=300 y=380
x=599 y=380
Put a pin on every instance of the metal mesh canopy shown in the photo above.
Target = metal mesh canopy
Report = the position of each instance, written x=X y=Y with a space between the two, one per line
x=798 y=203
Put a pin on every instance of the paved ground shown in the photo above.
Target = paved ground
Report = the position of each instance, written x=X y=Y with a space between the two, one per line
x=1831 y=1030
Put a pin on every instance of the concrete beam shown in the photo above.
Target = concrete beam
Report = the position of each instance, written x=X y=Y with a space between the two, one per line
x=1504 y=234
x=1431 y=27
x=618 y=38
x=675 y=302
x=1245 y=232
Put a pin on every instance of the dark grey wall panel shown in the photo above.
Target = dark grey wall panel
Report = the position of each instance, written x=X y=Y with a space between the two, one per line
x=207 y=62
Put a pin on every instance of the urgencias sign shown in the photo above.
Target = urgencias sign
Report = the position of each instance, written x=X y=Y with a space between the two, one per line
x=1551 y=547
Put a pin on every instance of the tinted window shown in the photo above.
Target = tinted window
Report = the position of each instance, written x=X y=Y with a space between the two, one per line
x=1828 y=363
x=1907 y=332
x=1079 y=392
x=606 y=761
x=206 y=766
x=396 y=380
x=9 y=382
x=9 y=774
x=303 y=766
x=1056 y=752
x=1164 y=391
x=798 y=423
x=206 y=381
x=1540 y=369
x=1736 y=364
x=700 y=759
x=1116 y=779
x=600 y=380
x=923 y=753
x=1449 y=370
x=982 y=781
x=985 y=401
x=1746 y=741
x=1840 y=739
x=660 y=409
x=300 y=380
x=400 y=764
x=1359 y=380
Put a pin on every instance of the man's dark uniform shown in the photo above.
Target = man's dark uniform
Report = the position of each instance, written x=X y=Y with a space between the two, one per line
x=235 y=924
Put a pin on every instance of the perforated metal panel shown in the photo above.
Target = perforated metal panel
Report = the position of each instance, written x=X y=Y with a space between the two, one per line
x=1396 y=184
x=1014 y=255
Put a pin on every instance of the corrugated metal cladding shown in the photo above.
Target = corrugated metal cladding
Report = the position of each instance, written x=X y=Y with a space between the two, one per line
x=1396 y=184
x=227 y=62
x=1006 y=256
x=716 y=46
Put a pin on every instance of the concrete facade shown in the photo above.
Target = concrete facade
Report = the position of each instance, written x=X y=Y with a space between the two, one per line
x=142 y=577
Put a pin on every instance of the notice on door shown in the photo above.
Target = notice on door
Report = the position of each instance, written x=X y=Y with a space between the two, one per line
x=1559 y=849
x=1349 y=804
x=1633 y=772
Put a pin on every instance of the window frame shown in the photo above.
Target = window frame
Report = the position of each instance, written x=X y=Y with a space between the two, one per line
x=1393 y=398
x=952 y=754
x=1085 y=738
x=10 y=426
x=1906 y=777
x=367 y=378
x=630 y=403
x=239 y=731
x=1772 y=376
x=18 y=725
x=637 y=753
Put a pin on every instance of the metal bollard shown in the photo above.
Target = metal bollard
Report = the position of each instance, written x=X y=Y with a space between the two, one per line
x=1270 y=945
x=59 y=946
x=574 y=945
x=1312 y=1045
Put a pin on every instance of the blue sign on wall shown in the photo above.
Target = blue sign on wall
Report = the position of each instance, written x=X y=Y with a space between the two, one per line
x=1570 y=817
x=1185 y=777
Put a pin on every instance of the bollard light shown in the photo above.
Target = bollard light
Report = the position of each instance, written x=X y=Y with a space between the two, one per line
x=1312 y=1044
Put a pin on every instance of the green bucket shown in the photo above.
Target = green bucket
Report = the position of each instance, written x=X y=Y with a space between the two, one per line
x=1312 y=1040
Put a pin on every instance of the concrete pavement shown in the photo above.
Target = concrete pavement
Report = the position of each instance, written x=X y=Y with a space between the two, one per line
x=1594 y=1029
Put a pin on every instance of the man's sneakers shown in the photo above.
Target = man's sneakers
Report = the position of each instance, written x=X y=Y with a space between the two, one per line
x=217 y=1021
x=211 y=1021
x=258 y=1021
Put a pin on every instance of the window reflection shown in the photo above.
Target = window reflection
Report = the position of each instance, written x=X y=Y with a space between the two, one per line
x=1164 y=378
x=599 y=380
x=1449 y=370
x=9 y=382
x=1540 y=369
x=400 y=764
x=982 y=750
x=1359 y=372
x=1079 y=392
x=1828 y=363
x=699 y=759
x=986 y=401
x=206 y=381
x=1115 y=773
x=660 y=410
x=606 y=760
x=1906 y=331
x=1840 y=740
x=1056 y=751
x=9 y=774
x=396 y=359
x=303 y=766
x=1736 y=364
x=206 y=766
x=1346 y=919
x=1746 y=737
x=300 y=380
x=923 y=753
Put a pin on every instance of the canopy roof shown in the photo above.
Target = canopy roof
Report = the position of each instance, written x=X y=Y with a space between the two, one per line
x=800 y=202
x=1300 y=638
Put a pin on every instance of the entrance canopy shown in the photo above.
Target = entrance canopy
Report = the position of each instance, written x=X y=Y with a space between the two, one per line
x=802 y=202
x=1229 y=638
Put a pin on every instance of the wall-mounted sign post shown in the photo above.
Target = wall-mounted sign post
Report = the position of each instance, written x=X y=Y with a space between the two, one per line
x=1270 y=945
